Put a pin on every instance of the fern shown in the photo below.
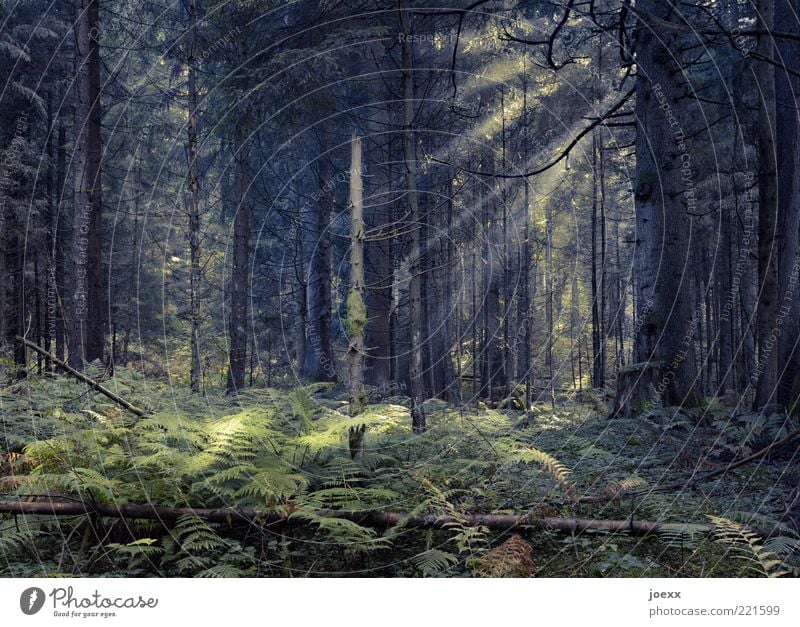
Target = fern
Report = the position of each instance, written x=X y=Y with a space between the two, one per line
x=302 y=408
x=434 y=562
x=616 y=489
x=343 y=532
x=12 y=539
x=138 y=553
x=557 y=470
x=222 y=570
x=747 y=545
x=510 y=559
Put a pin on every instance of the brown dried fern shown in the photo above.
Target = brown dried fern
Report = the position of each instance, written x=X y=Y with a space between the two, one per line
x=510 y=559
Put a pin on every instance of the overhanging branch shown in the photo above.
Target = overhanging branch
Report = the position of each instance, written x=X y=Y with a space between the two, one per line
x=556 y=160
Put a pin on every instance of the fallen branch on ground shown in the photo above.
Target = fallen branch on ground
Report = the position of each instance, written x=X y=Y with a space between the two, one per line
x=83 y=378
x=380 y=520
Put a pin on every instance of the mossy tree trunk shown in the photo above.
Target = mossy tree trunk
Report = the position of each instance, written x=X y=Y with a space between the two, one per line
x=356 y=308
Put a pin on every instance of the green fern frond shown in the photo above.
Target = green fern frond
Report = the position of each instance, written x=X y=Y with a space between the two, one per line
x=302 y=408
x=354 y=498
x=434 y=562
x=783 y=546
x=222 y=571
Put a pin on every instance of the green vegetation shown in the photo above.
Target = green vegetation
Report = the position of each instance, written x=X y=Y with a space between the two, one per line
x=287 y=451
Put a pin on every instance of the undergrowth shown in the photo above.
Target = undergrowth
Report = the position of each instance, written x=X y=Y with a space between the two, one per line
x=287 y=451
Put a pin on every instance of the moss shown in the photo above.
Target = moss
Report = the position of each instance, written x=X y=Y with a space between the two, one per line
x=356 y=313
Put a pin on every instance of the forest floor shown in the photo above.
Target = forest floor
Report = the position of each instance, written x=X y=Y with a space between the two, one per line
x=287 y=451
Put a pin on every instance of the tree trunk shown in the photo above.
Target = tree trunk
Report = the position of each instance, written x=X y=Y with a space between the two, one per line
x=318 y=364
x=17 y=307
x=82 y=196
x=62 y=232
x=84 y=379
x=663 y=191
x=380 y=520
x=787 y=97
x=415 y=310
x=767 y=320
x=597 y=330
x=356 y=308
x=299 y=293
x=95 y=327
x=378 y=272
x=240 y=279
x=526 y=303
x=196 y=374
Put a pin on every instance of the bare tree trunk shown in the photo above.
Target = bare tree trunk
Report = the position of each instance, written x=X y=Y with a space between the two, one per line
x=767 y=321
x=356 y=308
x=196 y=374
x=412 y=209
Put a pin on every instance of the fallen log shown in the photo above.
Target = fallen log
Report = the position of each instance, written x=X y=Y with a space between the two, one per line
x=380 y=520
x=84 y=379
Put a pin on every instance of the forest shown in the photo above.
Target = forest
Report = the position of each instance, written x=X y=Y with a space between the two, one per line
x=399 y=288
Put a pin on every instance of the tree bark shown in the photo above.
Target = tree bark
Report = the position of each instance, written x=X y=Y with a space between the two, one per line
x=196 y=374
x=663 y=191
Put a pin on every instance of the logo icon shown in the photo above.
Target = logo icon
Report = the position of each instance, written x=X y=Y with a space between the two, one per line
x=31 y=600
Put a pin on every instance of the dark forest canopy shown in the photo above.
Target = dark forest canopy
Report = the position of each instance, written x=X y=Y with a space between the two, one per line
x=436 y=258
